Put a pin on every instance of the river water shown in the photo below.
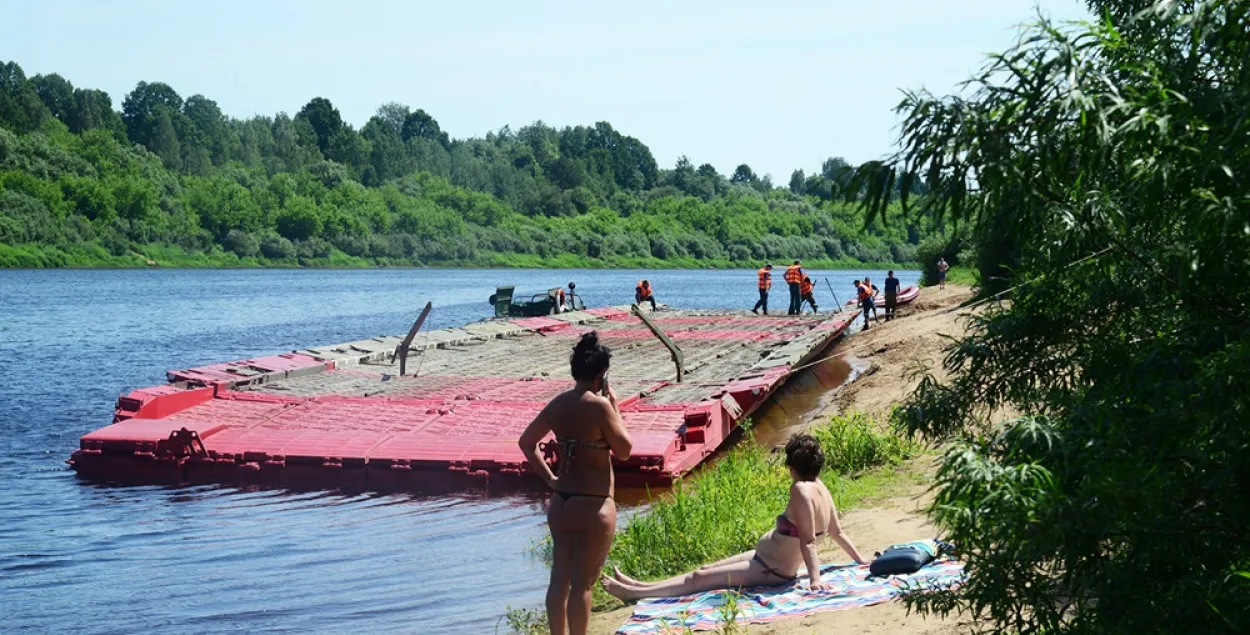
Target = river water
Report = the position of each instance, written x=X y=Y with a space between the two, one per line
x=97 y=559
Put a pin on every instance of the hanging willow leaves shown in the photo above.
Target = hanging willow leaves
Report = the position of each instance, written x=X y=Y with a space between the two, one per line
x=1119 y=502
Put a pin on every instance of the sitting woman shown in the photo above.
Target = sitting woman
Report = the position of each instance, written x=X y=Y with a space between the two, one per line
x=776 y=558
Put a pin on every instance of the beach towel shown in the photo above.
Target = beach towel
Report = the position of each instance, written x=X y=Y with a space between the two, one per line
x=853 y=586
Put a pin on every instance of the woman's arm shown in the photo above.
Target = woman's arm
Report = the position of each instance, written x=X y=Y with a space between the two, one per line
x=835 y=530
x=802 y=513
x=614 y=431
x=534 y=432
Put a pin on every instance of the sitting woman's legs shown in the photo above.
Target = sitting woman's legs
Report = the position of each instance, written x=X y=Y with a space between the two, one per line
x=746 y=555
x=738 y=571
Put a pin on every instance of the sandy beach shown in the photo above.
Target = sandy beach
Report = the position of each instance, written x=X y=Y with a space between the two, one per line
x=895 y=356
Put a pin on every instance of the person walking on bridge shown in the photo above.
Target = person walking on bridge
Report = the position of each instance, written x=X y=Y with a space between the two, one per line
x=644 y=293
x=794 y=278
x=765 y=283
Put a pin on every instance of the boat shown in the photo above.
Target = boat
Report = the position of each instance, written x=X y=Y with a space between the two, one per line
x=906 y=296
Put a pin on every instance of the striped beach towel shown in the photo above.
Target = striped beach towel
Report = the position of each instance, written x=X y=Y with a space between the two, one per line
x=757 y=605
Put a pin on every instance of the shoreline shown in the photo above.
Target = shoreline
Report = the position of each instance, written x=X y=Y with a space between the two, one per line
x=892 y=353
x=816 y=265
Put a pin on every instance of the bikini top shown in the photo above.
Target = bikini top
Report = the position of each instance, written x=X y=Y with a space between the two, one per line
x=569 y=447
x=787 y=528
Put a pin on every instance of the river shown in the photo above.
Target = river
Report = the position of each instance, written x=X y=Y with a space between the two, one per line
x=97 y=559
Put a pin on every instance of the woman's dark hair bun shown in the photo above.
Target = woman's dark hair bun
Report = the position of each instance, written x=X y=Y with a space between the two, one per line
x=589 y=358
x=588 y=342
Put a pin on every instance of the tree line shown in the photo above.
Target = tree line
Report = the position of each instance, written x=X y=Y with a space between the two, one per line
x=174 y=178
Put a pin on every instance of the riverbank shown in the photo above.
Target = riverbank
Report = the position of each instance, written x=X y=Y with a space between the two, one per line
x=893 y=357
x=96 y=256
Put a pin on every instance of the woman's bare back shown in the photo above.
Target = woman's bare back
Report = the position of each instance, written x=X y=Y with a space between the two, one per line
x=579 y=419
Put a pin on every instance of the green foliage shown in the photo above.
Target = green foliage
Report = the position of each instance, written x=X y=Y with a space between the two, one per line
x=174 y=172
x=525 y=621
x=727 y=506
x=1111 y=166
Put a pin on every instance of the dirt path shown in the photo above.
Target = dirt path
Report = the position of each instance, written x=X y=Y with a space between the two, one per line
x=897 y=355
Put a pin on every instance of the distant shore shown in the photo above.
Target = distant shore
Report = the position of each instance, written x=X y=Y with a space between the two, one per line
x=35 y=256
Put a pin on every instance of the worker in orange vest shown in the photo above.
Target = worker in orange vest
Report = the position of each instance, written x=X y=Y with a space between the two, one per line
x=644 y=293
x=765 y=282
x=794 y=277
x=863 y=294
x=806 y=288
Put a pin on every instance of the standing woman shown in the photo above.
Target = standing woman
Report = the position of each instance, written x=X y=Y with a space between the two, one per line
x=582 y=517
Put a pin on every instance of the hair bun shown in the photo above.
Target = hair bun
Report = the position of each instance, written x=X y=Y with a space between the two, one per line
x=588 y=342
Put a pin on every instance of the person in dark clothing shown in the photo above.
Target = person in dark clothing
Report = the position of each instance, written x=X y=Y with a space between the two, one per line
x=891 y=295
x=794 y=278
x=765 y=283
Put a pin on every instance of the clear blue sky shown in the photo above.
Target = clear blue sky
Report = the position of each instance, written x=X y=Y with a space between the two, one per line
x=778 y=85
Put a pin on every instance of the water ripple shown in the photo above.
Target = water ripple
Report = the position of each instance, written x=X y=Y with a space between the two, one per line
x=77 y=556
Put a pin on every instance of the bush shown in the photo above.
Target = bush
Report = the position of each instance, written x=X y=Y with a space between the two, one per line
x=352 y=245
x=115 y=242
x=300 y=221
x=243 y=244
x=276 y=247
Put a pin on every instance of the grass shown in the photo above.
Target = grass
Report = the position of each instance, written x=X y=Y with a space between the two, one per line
x=724 y=508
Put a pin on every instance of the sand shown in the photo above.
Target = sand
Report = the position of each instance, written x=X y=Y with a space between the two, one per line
x=896 y=355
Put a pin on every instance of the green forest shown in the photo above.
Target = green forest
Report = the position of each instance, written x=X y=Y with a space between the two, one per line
x=173 y=181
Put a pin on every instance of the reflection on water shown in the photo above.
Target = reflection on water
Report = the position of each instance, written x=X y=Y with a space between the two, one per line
x=804 y=394
x=77 y=557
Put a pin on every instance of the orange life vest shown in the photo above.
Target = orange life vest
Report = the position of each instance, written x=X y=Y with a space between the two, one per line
x=766 y=279
x=644 y=291
x=806 y=287
x=794 y=274
x=865 y=292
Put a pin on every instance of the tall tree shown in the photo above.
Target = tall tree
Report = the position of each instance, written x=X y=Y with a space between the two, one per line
x=743 y=174
x=387 y=155
x=164 y=141
x=324 y=119
x=211 y=130
x=420 y=125
x=57 y=94
x=94 y=109
x=20 y=107
x=141 y=111
x=798 y=182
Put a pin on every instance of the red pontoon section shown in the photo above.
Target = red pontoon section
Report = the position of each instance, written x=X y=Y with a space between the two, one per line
x=340 y=416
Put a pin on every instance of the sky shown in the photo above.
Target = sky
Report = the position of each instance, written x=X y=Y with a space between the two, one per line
x=778 y=85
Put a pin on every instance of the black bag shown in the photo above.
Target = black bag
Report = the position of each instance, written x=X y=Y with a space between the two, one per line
x=905 y=558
